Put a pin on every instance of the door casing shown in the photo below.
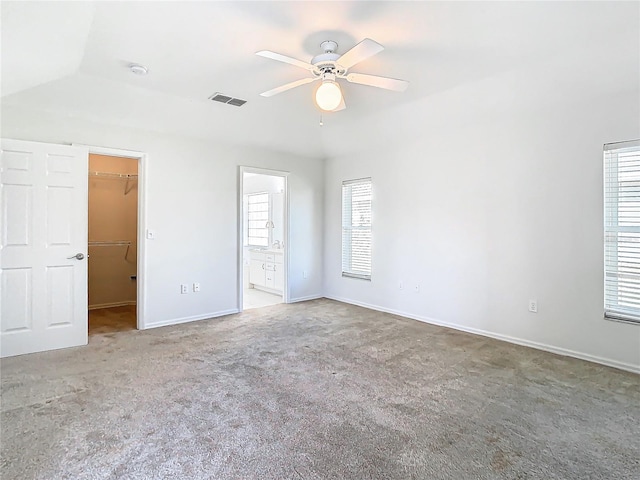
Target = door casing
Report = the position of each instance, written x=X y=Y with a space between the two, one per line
x=275 y=173
x=141 y=293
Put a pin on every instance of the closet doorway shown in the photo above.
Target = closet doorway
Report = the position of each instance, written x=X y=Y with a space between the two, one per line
x=113 y=243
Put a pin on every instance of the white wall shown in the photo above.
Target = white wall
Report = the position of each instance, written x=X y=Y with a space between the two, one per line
x=486 y=209
x=192 y=204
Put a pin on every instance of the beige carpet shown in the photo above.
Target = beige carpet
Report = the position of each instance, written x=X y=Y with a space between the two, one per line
x=311 y=391
x=113 y=319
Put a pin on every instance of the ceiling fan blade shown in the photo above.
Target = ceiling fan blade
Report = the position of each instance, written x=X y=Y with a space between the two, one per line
x=363 y=50
x=380 y=82
x=285 y=59
x=288 y=86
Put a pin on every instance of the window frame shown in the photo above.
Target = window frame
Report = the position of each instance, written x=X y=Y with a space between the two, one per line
x=347 y=231
x=248 y=220
x=619 y=305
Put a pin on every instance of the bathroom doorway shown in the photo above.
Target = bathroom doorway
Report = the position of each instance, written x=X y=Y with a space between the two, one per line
x=264 y=239
x=113 y=243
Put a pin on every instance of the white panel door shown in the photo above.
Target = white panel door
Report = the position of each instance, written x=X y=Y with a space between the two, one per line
x=43 y=225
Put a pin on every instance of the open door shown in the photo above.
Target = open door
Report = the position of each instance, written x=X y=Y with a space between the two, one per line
x=43 y=287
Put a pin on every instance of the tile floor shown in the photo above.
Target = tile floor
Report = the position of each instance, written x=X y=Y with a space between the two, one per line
x=254 y=298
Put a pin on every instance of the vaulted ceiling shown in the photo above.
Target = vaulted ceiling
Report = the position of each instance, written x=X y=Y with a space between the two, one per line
x=72 y=57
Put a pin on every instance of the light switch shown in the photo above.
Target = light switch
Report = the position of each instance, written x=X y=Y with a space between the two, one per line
x=151 y=234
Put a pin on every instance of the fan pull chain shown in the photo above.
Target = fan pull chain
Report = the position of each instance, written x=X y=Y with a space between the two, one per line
x=321 y=122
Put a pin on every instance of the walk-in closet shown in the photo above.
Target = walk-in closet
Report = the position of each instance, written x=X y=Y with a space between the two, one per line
x=113 y=227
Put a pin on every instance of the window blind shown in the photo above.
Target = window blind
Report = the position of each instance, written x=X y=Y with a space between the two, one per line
x=622 y=230
x=257 y=218
x=356 y=228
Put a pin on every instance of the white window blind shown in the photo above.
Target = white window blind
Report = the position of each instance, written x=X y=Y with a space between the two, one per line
x=356 y=228
x=257 y=218
x=622 y=230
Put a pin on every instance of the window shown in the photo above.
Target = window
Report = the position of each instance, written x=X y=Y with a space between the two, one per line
x=622 y=230
x=257 y=218
x=356 y=228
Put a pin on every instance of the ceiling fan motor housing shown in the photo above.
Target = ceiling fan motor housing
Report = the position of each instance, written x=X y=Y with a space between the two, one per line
x=328 y=76
x=329 y=46
x=326 y=62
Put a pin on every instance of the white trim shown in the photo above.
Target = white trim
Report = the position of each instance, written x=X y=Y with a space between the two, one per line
x=194 y=318
x=349 y=247
x=111 y=152
x=629 y=367
x=264 y=171
x=98 y=306
x=275 y=173
x=356 y=180
x=141 y=269
x=620 y=145
x=305 y=299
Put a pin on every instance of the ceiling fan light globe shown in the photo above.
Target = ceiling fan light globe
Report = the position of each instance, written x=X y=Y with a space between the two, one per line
x=328 y=96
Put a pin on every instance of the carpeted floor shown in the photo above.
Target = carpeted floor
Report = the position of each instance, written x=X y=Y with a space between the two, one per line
x=311 y=391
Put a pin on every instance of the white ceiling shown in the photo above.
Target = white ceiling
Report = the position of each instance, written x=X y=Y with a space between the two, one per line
x=72 y=57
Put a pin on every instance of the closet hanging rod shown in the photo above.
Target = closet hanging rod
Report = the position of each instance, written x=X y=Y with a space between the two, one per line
x=113 y=175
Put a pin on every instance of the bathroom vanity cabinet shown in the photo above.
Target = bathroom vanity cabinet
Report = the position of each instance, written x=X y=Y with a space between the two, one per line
x=267 y=270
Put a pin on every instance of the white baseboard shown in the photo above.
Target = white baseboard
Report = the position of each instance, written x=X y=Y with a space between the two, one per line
x=498 y=336
x=194 y=318
x=304 y=299
x=272 y=291
x=113 y=304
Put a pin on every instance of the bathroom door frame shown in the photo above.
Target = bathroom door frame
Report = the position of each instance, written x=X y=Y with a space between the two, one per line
x=141 y=157
x=287 y=242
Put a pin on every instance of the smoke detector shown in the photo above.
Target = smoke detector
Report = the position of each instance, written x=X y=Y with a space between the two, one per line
x=138 y=69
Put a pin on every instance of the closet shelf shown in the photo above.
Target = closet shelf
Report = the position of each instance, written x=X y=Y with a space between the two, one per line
x=112 y=243
x=117 y=176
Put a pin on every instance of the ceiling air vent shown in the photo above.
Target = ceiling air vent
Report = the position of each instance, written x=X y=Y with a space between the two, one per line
x=219 y=97
x=237 y=102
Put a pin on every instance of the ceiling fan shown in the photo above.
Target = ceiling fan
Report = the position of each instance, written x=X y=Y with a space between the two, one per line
x=330 y=66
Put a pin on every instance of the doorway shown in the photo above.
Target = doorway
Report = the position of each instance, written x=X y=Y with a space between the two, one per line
x=113 y=243
x=263 y=238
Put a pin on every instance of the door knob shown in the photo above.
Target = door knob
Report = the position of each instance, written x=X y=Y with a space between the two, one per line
x=77 y=256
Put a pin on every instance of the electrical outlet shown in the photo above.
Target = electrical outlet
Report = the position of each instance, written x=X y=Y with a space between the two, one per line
x=533 y=306
x=196 y=287
x=416 y=289
x=184 y=288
